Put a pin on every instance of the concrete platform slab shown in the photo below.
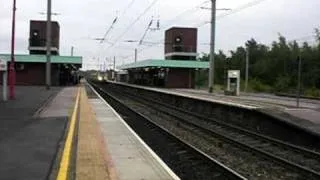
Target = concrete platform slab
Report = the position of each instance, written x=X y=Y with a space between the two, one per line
x=91 y=159
x=60 y=105
x=15 y=114
x=29 y=150
x=132 y=158
x=30 y=153
x=259 y=100
x=308 y=110
x=309 y=114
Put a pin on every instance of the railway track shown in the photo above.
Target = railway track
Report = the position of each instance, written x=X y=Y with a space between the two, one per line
x=187 y=161
x=296 y=158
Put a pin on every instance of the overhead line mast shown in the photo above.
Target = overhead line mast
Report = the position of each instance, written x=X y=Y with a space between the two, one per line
x=146 y=31
x=108 y=31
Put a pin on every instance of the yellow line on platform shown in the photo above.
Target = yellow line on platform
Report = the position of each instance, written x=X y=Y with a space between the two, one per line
x=65 y=160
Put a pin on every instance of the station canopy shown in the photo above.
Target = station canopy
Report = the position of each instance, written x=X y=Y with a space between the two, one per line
x=75 y=60
x=158 y=63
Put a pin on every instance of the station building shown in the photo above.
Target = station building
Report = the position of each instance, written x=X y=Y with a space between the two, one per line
x=31 y=68
x=164 y=73
x=179 y=67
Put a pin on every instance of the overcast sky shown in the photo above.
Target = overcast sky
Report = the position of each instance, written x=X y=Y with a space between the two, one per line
x=82 y=21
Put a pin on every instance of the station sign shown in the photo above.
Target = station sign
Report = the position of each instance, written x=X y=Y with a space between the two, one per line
x=3 y=65
x=233 y=73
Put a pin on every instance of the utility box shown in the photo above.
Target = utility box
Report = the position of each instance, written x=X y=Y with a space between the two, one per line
x=3 y=65
x=3 y=71
x=233 y=86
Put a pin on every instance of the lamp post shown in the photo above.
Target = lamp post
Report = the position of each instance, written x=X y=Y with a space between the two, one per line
x=48 y=43
x=72 y=49
x=135 y=55
x=12 y=73
x=48 y=46
x=135 y=50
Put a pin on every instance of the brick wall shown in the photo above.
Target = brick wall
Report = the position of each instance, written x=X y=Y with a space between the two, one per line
x=180 y=78
x=34 y=74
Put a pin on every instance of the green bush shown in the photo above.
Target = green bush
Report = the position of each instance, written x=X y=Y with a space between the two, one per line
x=258 y=86
x=282 y=84
x=313 y=92
x=242 y=86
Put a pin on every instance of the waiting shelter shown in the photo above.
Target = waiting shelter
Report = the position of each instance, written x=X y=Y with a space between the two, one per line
x=164 y=73
x=31 y=69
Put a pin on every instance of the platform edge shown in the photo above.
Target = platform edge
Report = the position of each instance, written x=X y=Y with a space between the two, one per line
x=154 y=155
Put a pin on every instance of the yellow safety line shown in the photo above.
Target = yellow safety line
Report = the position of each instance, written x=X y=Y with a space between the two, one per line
x=65 y=160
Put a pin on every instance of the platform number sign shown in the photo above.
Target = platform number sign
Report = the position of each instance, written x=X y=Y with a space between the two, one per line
x=3 y=65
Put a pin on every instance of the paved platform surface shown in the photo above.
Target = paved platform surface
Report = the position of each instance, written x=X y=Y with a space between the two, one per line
x=92 y=158
x=309 y=109
x=17 y=113
x=257 y=99
x=30 y=135
x=125 y=153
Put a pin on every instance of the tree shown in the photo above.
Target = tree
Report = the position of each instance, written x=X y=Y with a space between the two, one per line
x=273 y=66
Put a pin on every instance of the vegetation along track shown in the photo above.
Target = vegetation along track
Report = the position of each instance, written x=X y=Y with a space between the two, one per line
x=186 y=161
x=301 y=160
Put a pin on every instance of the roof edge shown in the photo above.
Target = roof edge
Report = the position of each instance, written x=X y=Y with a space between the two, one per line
x=165 y=63
x=39 y=55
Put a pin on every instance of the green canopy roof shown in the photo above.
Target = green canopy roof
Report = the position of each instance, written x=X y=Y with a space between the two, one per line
x=166 y=64
x=42 y=59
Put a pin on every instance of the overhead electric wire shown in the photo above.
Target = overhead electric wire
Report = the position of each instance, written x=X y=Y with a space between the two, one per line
x=104 y=39
x=116 y=19
x=167 y=24
x=187 y=11
x=173 y=19
x=129 y=6
x=236 y=10
x=308 y=38
x=198 y=7
x=233 y=11
x=134 y=22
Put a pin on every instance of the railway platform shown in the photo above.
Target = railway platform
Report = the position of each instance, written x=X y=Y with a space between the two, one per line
x=306 y=116
x=260 y=100
x=309 y=110
x=71 y=133
x=32 y=128
x=106 y=142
